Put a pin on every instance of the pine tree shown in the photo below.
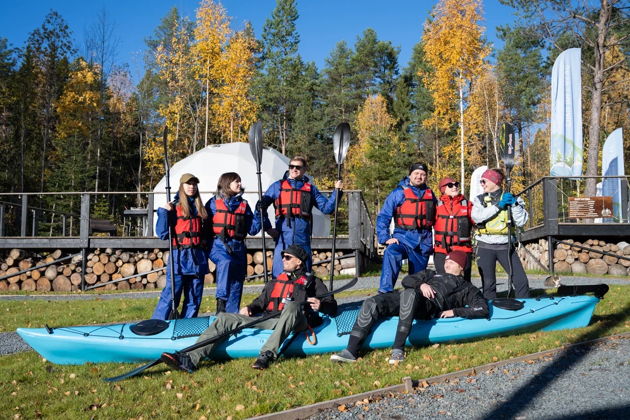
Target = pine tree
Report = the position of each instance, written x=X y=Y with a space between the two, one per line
x=8 y=99
x=49 y=48
x=281 y=69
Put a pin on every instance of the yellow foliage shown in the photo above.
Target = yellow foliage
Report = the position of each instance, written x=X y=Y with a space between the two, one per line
x=224 y=64
x=375 y=162
x=616 y=94
x=234 y=111
x=483 y=119
x=454 y=48
x=211 y=34
x=372 y=120
x=79 y=102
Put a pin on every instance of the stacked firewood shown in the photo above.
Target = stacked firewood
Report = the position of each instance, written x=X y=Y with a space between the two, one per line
x=343 y=266
x=601 y=258
x=101 y=266
x=105 y=266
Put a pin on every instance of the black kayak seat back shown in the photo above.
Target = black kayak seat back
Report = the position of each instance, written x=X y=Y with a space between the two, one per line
x=598 y=290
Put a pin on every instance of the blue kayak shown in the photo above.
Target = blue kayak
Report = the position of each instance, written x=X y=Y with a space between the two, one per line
x=118 y=343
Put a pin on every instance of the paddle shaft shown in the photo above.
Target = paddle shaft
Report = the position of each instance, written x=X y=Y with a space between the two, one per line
x=167 y=170
x=341 y=150
x=262 y=225
x=222 y=336
x=334 y=239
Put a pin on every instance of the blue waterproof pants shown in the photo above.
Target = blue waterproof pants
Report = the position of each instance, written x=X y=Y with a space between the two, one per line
x=230 y=275
x=392 y=263
x=192 y=288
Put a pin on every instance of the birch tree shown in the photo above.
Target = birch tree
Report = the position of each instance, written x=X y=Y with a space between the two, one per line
x=454 y=48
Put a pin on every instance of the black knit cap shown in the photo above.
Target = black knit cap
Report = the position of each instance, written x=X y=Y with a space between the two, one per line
x=296 y=251
x=420 y=166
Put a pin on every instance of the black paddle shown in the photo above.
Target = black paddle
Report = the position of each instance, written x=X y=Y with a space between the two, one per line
x=256 y=147
x=167 y=169
x=341 y=143
x=506 y=139
x=223 y=336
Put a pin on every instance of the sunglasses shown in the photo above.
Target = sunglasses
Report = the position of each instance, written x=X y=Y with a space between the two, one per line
x=298 y=167
x=287 y=257
x=453 y=184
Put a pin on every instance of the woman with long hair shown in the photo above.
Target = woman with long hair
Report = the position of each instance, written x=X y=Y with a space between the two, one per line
x=232 y=220
x=188 y=222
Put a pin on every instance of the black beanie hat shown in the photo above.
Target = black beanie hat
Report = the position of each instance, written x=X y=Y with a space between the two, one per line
x=296 y=251
x=420 y=166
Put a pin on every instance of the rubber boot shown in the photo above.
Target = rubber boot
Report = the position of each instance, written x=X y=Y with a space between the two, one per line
x=220 y=306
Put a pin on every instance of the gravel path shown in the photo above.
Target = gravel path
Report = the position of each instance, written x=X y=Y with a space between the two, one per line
x=587 y=382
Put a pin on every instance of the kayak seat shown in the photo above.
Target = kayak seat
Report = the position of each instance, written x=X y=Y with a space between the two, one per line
x=346 y=315
x=191 y=327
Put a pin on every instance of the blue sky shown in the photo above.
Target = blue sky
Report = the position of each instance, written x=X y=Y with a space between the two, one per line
x=322 y=23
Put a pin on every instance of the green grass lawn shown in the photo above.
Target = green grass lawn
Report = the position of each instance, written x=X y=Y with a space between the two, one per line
x=33 y=388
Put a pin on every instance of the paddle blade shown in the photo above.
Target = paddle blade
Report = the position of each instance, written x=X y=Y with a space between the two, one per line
x=507 y=144
x=341 y=142
x=256 y=142
x=134 y=372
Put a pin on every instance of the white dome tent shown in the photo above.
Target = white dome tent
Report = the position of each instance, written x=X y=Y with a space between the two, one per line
x=210 y=162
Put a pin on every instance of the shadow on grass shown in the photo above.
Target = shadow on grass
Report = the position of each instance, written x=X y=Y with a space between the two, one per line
x=564 y=360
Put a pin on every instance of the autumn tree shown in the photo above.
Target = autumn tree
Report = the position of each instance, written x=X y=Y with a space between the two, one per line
x=454 y=48
x=212 y=30
x=598 y=28
x=378 y=159
x=77 y=107
x=233 y=107
x=182 y=111
x=485 y=115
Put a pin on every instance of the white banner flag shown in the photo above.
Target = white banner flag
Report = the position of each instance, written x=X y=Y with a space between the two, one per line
x=475 y=186
x=612 y=165
x=566 y=115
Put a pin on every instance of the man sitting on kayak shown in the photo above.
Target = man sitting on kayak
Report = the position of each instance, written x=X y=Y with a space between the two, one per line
x=292 y=292
x=426 y=295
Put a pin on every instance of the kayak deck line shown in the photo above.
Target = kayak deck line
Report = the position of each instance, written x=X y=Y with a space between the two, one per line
x=193 y=327
x=118 y=343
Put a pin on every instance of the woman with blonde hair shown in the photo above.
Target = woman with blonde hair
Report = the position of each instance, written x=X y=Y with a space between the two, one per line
x=188 y=222
x=232 y=220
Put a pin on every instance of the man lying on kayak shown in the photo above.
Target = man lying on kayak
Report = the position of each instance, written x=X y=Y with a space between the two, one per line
x=426 y=295
x=287 y=293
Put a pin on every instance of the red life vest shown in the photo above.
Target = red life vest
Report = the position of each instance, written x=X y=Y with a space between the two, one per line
x=453 y=225
x=187 y=230
x=415 y=213
x=294 y=202
x=228 y=224
x=283 y=287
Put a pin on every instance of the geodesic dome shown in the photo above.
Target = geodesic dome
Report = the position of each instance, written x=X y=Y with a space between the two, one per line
x=210 y=162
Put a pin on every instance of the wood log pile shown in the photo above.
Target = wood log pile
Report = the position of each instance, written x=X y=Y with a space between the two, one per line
x=572 y=259
x=344 y=266
x=105 y=265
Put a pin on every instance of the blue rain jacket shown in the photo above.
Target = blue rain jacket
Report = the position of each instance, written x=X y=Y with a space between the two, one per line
x=296 y=230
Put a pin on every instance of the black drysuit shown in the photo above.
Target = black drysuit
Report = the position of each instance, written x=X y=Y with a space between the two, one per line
x=451 y=292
